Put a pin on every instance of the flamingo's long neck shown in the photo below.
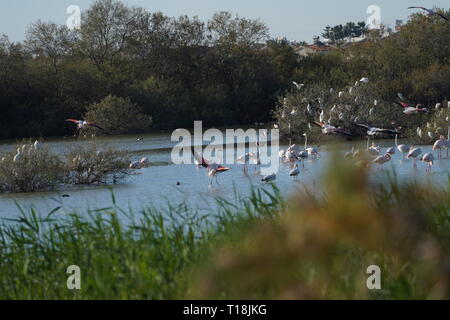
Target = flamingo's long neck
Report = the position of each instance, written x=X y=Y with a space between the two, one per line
x=306 y=141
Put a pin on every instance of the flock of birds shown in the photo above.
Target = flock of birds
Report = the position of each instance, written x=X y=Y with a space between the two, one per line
x=295 y=155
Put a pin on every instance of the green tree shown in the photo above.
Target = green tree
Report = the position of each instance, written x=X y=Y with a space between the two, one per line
x=118 y=116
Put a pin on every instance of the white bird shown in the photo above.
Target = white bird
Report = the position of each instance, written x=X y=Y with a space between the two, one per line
x=391 y=151
x=17 y=157
x=145 y=161
x=373 y=149
x=430 y=134
x=312 y=151
x=135 y=165
x=382 y=159
x=414 y=153
x=294 y=172
x=275 y=126
x=341 y=94
x=269 y=177
x=440 y=144
x=298 y=85
x=428 y=158
x=364 y=80
x=403 y=148
x=438 y=105
x=375 y=103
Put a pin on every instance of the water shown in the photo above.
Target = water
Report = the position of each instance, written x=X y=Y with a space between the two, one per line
x=157 y=185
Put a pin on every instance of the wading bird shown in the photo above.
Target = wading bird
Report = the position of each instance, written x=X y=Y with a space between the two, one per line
x=294 y=172
x=382 y=159
x=372 y=131
x=269 y=178
x=403 y=148
x=213 y=168
x=440 y=144
x=81 y=124
x=414 y=153
x=430 y=12
x=428 y=159
x=373 y=149
x=312 y=152
x=329 y=129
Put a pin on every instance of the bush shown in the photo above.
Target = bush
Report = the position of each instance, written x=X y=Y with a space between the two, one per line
x=91 y=165
x=118 y=116
x=31 y=168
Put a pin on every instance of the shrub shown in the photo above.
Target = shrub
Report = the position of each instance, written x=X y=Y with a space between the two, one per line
x=92 y=165
x=118 y=116
x=31 y=168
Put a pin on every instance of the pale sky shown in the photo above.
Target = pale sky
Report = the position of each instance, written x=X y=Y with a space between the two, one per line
x=293 y=19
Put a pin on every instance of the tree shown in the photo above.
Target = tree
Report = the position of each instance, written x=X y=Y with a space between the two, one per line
x=118 y=116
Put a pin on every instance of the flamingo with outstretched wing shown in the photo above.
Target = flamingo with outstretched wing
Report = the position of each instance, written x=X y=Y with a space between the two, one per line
x=81 y=124
x=430 y=12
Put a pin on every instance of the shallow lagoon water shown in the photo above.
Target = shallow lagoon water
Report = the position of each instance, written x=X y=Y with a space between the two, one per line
x=157 y=185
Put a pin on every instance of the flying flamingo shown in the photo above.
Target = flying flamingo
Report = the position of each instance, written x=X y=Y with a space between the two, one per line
x=414 y=153
x=372 y=131
x=428 y=159
x=430 y=12
x=213 y=168
x=329 y=129
x=407 y=109
x=403 y=148
x=81 y=124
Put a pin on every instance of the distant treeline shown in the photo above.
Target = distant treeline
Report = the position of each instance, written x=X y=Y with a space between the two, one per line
x=168 y=72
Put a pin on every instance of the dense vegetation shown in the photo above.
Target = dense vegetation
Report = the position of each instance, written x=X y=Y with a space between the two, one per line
x=34 y=167
x=263 y=246
x=173 y=71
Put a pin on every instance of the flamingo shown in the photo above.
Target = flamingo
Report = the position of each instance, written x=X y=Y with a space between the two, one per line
x=372 y=131
x=430 y=12
x=391 y=151
x=269 y=177
x=213 y=168
x=447 y=142
x=382 y=159
x=134 y=165
x=414 y=153
x=294 y=172
x=440 y=144
x=81 y=124
x=312 y=151
x=407 y=109
x=246 y=159
x=329 y=129
x=403 y=148
x=145 y=161
x=428 y=158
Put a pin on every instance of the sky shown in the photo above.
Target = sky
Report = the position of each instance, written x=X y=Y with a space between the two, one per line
x=294 y=19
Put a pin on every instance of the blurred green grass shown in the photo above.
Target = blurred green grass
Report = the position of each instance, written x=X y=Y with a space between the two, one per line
x=258 y=247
